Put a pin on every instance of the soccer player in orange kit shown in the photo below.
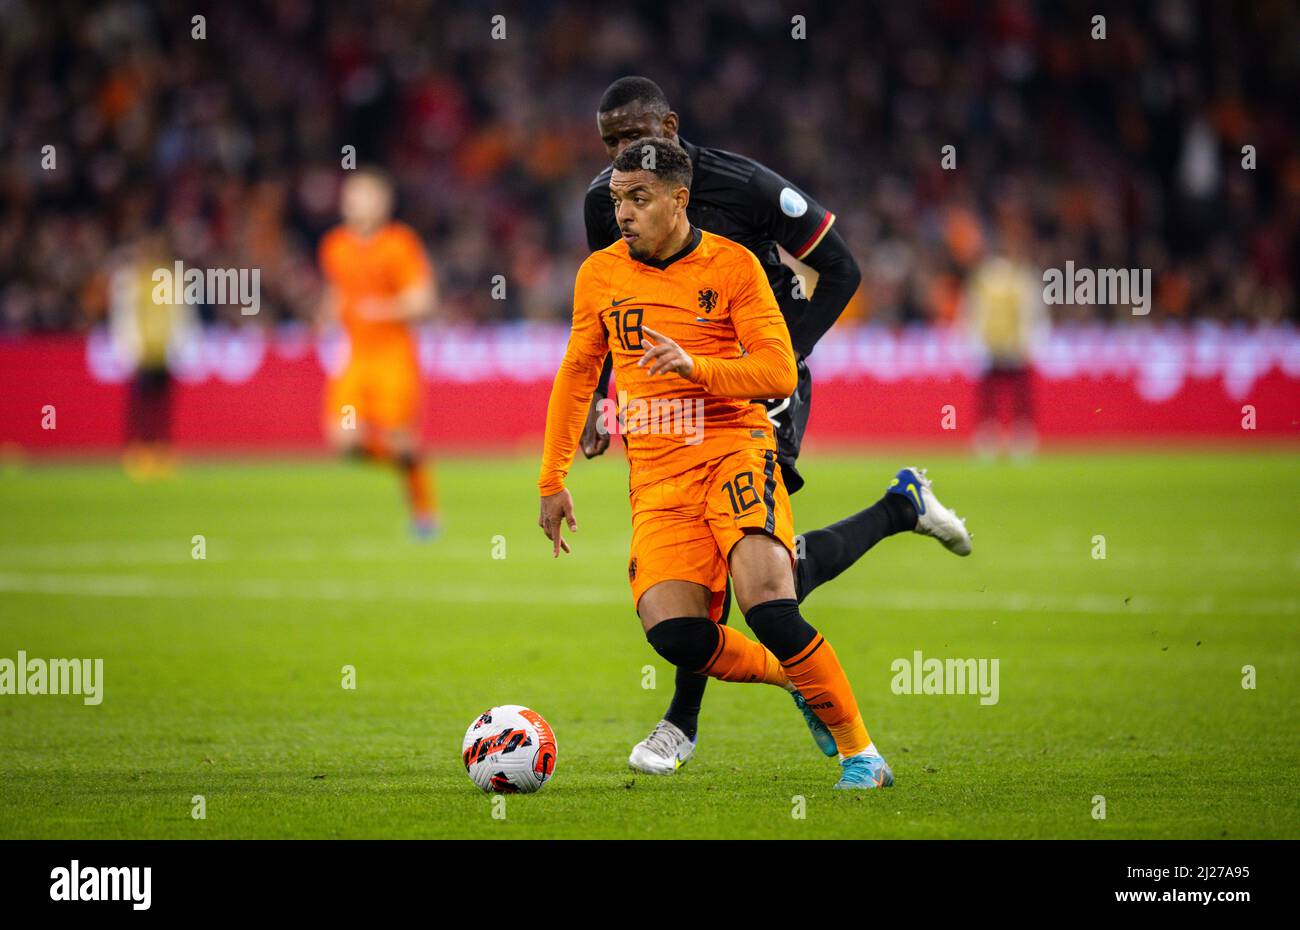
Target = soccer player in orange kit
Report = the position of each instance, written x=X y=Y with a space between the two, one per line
x=695 y=333
x=747 y=202
x=378 y=283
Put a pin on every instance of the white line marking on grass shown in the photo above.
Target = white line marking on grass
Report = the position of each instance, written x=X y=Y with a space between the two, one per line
x=177 y=551
x=147 y=586
x=393 y=549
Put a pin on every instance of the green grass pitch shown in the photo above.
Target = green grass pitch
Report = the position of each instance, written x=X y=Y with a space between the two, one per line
x=1120 y=678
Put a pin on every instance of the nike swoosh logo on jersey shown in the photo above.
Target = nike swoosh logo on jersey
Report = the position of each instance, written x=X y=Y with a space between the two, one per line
x=616 y=303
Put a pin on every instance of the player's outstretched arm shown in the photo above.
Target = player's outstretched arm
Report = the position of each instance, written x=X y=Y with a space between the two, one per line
x=566 y=412
x=805 y=229
x=756 y=371
x=838 y=278
x=767 y=369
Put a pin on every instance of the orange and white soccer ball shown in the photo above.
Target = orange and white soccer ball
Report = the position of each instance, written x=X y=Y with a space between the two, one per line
x=509 y=750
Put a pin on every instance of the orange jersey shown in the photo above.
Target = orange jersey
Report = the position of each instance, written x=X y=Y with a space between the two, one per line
x=714 y=301
x=378 y=266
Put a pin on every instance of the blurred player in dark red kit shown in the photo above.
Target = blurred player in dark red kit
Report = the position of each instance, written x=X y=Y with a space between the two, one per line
x=148 y=333
x=1004 y=309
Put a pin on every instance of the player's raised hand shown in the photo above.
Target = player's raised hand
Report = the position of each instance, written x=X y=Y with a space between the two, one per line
x=595 y=438
x=557 y=508
x=665 y=355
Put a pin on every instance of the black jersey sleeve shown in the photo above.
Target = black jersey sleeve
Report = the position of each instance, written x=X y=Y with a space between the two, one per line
x=837 y=281
x=602 y=229
x=598 y=212
x=786 y=214
x=803 y=227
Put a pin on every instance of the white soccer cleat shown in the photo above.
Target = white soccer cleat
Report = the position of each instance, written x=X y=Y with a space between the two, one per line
x=663 y=752
x=932 y=517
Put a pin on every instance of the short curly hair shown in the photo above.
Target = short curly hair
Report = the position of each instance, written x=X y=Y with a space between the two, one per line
x=663 y=158
x=634 y=89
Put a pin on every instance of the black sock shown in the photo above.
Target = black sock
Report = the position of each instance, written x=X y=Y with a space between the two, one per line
x=688 y=692
x=684 y=711
x=780 y=627
x=829 y=551
x=406 y=461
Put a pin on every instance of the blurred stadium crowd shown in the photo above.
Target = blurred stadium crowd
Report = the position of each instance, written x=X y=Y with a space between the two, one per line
x=1122 y=152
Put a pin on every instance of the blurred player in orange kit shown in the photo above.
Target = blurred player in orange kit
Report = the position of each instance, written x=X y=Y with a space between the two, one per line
x=695 y=332
x=378 y=283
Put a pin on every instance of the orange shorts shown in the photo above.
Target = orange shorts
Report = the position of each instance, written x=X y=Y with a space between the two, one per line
x=684 y=526
x=381 y=392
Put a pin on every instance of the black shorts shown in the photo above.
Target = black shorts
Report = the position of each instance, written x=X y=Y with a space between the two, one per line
x=789 y=415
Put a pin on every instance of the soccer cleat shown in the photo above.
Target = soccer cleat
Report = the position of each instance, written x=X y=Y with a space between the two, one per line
x=663 y=752
x=821 y=736
x=425 y=527
x=932 y=517
x=865 y=772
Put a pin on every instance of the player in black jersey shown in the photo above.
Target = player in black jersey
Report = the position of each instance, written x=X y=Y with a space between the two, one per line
x=736 y=197
x=740 y=199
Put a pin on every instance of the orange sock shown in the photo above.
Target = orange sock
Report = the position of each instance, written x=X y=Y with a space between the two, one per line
x=739 y=658
x=419 y=489
x=815 y=670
